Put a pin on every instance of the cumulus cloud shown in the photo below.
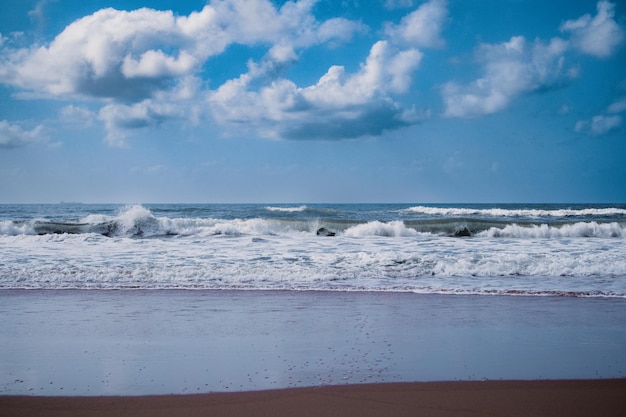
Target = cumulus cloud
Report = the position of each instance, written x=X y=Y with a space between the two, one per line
x=144 y=67
x=599 y=35
x=520 y=67
x=86 y=58
x=154 y=64
x=510 y=69
x=339 y=106
x=137 y=60
x=422 y=27
x=14 y=136
x=120 y=119
x=129 y=55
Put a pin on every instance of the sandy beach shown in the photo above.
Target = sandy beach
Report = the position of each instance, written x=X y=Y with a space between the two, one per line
x=491 y=398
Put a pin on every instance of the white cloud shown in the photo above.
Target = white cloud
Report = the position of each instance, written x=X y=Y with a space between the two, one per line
x=338 y=29
x=618 y=106
x=338 y=106
x=137 y=61
x=599 y=35
x=14 y=136
x=154 y=64
x=605 y=122
x=518 y=67
x=602 y=124
x=510 y=69
x=386 y=70
x=76 y=115
x=130 y=55
x=87 y=58
x=120 y=119
x=422 y=27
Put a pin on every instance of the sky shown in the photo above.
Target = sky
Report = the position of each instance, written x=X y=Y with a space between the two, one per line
x=253 y=101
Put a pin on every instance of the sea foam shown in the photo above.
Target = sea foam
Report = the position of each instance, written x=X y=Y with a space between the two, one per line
x=391 y=229
x=581 y=229
x=287 y=209
x=372 y=248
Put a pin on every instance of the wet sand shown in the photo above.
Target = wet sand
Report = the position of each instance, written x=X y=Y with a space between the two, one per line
x=133 y=343
x=605 y=398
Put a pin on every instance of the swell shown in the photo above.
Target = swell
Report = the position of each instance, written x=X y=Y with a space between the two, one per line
x=139 y=222
x=165 y=227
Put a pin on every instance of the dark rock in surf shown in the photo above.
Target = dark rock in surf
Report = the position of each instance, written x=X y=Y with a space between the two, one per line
x=464 y=232
x=322 y=231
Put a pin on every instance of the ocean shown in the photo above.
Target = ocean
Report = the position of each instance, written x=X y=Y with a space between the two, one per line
x=496 y=249
x=107 y=299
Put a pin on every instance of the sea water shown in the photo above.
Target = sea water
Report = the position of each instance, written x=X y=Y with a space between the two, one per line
x=106 y=299
x=501 y=249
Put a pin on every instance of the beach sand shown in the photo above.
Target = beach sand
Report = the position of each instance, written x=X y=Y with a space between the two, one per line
x=446 y=399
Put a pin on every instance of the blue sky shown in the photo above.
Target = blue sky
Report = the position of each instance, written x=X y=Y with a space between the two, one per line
x=312 y=101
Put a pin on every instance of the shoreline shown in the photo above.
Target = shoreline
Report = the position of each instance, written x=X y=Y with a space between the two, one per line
x=572 y=398
x=602 y=295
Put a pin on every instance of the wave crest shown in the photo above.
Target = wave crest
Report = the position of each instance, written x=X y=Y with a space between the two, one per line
x=501 y=212
x=394 y=228
x=287 y=209
x=582 y=229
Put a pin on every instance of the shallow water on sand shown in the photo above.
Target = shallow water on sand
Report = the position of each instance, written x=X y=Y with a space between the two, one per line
x=135 y=342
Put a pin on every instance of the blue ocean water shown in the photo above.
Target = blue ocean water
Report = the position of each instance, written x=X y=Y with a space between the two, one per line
x=502 y=249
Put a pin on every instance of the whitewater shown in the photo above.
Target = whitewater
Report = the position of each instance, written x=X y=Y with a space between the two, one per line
x=515 y=249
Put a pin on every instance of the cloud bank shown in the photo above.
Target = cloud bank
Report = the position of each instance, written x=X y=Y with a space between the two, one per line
x=128 y=55
x=144 y=66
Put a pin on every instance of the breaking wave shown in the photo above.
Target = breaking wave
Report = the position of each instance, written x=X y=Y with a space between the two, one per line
x=391 y=229
x=347 y=248
x=582 y=229
x=502 y=212
x=137 y=221
x=287 y=209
